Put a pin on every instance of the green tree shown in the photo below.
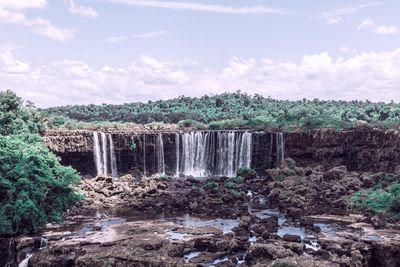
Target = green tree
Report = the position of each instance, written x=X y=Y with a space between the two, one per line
x=15 y=118
x=34 y=186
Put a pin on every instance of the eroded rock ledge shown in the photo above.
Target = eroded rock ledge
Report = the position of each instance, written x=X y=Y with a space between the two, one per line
x=360 y=149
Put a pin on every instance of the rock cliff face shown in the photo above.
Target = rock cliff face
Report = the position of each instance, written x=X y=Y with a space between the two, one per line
x=361 y=149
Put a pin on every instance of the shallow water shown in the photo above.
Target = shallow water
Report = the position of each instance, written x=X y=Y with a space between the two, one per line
x=291 y=230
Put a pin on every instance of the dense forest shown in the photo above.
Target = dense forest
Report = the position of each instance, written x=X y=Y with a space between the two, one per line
x=232 y=110
x=34 y=187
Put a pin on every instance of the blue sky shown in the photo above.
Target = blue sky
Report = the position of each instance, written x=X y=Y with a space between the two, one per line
x=115 y=51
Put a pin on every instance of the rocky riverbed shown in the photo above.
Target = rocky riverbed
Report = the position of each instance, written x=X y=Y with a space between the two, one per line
x=289 y=217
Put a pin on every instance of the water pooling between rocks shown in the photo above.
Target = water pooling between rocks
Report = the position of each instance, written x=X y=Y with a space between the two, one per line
x=203 y=225
x=193 y=239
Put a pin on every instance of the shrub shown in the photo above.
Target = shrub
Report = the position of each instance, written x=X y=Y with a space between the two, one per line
x=234 y=182
x=34 y=187
x=191 y=124
x=236 y=194
x=246 y=173
x=216 y=125
x=164 y=177
x=211 y=185
x=227 y=124
x=383 y=201
x=265 y=121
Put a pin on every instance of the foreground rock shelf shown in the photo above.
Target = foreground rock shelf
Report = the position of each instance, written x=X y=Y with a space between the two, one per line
x=258 y=221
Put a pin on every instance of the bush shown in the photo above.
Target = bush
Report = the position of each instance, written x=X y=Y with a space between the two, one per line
x=163 y=177
x=237 y=194
x=211 y=185
x=378 y=200
x=191 y=124
x=265 y=121
x=34 y=187
x=246 y=173
x=227 y=124
x=234 y=182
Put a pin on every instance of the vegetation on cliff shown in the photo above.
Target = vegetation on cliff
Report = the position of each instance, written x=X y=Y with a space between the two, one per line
x=34 y=187
x=232 y=110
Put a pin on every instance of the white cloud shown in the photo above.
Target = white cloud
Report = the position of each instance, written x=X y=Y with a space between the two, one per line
x=38 y=25
x=203 y=7
x=347 y=50
x=238 y=66
x=22 y=4
x=118 y=39
x=8 y=62
x=373 y=76
x=380 y=29
x=82 y=10
x=337 y=15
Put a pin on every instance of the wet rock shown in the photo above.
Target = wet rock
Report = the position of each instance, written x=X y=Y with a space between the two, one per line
x=378 y=221
x=176 y=250
x=97 y=227
x=245 y=222
x=270 y=224
x=267 y=251
x=292 y=238
x=295 y=247
x=153 y=244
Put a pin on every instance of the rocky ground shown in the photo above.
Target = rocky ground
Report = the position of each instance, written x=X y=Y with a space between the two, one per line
x=234 y=223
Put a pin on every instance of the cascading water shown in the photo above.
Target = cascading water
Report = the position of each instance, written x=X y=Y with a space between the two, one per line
x=197 y=153
x=97 y=153
x=104 y=149
x=113 y=160
x=206 y=153
x=280 y=149
x=160 y=154
x=104 y=154
x=177 y=153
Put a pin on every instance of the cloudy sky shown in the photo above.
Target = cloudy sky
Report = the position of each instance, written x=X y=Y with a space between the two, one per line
x=59 y=52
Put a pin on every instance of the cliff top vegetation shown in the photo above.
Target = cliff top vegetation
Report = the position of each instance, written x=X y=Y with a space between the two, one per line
x=232 y=110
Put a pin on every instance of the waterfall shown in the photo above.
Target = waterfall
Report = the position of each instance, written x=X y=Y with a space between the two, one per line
x=194 y=161
x=177 y=152
x=280 y=149
x=160 y=154
x=113 y=160
x=104 y=149
x=206 y=153
x=104 y=154
x=25 y=262
x=97 y=153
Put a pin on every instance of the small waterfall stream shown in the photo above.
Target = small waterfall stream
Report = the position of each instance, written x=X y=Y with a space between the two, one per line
x=177 y=153
x=159 y=147
x=104 y=154
x=113 y=160
x=280 y=149
x=97 y=153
